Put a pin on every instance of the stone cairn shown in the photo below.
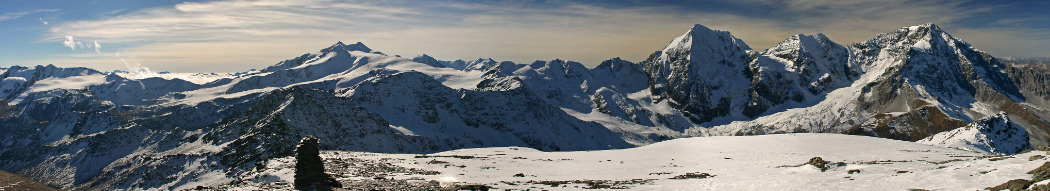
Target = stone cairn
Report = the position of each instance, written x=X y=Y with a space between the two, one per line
x=309 y=169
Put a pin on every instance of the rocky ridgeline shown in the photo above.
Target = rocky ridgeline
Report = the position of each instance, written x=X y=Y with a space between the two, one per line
x=112 y=132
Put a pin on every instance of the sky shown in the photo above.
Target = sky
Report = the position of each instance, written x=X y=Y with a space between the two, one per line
x=236 y=35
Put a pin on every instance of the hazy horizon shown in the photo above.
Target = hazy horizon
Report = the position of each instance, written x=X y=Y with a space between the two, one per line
x=232 y=36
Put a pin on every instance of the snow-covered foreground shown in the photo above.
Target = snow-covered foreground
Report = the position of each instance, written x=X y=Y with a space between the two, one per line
x=767 y=162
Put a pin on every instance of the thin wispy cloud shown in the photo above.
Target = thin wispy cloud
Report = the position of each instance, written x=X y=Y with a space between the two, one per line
x=237 y=35
x=230 y=21
x=15 y=15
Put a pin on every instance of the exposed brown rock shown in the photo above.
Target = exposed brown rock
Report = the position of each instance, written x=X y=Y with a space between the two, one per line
x=9 y=181
x=1041 y=173
x=1016 y=184
x=819 y=163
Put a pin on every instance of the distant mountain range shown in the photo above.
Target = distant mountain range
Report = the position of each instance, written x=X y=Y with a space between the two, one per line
x=78 y=128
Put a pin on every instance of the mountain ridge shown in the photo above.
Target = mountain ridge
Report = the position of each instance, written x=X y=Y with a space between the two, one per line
x=909 y=84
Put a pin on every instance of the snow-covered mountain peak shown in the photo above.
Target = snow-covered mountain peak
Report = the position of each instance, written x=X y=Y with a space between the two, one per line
x=928 y=27
x=703 y=45
x=702 y=72
x=426 y=59
x=922 y=36
x=425 y=56
x=339 y=46
x=615 y=63
x=706 y=42
x=928 y=36
x=485 y=60
x=479 y=64
x=817 y=45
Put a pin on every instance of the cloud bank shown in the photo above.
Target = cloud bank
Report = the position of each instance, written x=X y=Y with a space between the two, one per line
x=237 y=35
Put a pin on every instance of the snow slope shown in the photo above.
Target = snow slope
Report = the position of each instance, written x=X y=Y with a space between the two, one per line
x=993 y=134
x=766 y=162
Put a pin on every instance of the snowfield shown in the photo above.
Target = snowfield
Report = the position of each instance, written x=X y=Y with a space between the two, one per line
x=766 y=162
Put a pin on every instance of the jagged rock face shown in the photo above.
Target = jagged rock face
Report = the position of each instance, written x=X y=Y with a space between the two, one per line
x=770 y=87
x=923 y=121
x=110 y=132
x=994 y=134
x=924 y=65
x=704 y=73
x=820 y=63
x=623 y=75
x=928 y=63
x=719 y=76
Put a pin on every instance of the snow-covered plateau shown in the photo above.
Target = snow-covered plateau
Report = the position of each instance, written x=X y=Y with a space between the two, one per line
x=764 y=162
x=915 y=96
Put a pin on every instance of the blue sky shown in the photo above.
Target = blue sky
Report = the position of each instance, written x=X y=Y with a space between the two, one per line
x=230 y=36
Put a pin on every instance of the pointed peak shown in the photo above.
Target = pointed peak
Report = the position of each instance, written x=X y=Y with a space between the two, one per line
x=358 y=47
x=353 y=47
x=702 y=44
x=700 y=27
x=614 y=62
x=816 y=44
x=337 y=46
x=426 y=59
x=424 y=56
x=928 y=27
x=699 y=31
